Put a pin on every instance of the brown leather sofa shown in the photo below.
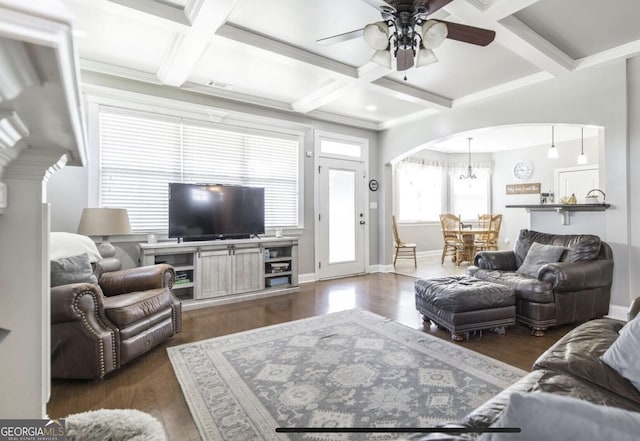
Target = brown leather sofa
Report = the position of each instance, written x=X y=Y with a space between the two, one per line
x=577 y=288
x=95 y=329
x=571 y=367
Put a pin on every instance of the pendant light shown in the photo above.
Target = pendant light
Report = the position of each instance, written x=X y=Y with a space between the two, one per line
x=582 y=158
x=469 y=175
x=553 y=151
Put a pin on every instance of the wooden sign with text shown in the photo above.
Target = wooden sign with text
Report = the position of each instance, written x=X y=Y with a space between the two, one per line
x=533 y=188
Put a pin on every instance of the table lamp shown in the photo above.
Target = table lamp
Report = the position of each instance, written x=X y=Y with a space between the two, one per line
x=105 y=222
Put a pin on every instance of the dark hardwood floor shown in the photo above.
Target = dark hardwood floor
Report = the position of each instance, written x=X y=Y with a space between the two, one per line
x=149 y=384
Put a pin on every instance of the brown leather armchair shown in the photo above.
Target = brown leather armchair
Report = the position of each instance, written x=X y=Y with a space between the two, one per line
x=577 y=288
x=99 y=328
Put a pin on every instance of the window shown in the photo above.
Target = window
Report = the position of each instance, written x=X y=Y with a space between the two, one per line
x=140 y=153
x=419 y=185
x=470 y=197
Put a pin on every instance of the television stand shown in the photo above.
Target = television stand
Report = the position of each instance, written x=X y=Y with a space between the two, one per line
x=215 y=272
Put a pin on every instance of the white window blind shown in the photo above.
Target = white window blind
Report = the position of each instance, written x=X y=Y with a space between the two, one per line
x=141 y=153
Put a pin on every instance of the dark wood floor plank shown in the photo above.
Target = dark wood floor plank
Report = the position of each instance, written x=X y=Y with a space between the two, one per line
x=149 y=383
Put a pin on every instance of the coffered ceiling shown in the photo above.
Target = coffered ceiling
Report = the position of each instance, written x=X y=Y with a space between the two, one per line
x=265 y=52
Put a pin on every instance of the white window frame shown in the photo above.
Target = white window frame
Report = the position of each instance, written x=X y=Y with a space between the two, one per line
x=172 y=108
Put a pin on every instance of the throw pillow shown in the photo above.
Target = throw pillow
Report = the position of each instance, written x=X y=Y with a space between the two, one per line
x=74 y=269
x=539 y=255
x=546 y=416
x=63 y=244
x=623 y=355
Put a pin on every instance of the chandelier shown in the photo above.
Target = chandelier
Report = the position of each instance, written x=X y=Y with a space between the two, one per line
x=405 y=37
x=469 y=175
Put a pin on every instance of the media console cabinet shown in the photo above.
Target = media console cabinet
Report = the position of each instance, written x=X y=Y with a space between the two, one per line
x=215 y=272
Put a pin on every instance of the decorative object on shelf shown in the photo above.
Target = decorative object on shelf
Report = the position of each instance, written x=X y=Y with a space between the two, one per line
x=522 y=170
x=405 y=37
x=373 y=185
x=546 y=198
x=591 y=198
x=553 y=151
x=105 y=222
x=572 y=199
x=582 y=158
x=533 y=188
x=469 y=174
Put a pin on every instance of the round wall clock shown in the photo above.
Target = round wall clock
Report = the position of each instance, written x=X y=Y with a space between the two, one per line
x=373 y=185
x=522 y=170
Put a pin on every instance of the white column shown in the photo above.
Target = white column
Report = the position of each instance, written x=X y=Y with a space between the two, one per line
x=24 y=286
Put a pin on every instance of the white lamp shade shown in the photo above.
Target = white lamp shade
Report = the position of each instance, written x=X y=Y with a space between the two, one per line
x=104 y=222
x=582 y=159
x=425 y=56
x=433 y=33
x=553 y=152
x=376 y=35
x=383 y=58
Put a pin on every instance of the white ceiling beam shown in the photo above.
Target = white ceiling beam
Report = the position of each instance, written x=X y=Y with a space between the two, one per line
x=365 y=74
x=166 y=10
x=320 y=97
x=410 y=94
x=118 y=71
x=368 y=75
x=253 y=40
x=502 y=88
x=627 y=50
x=185 y=51
x=504 y=8
x=518 y=38
x=128 y=13
x=524 y=41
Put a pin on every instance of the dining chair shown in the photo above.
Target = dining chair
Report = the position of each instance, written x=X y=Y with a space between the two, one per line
x=491 y=224
x=403 y=250
x=453 y=246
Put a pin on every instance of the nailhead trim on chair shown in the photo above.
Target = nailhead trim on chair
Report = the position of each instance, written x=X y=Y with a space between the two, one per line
x=85 y=322
x=174 y=313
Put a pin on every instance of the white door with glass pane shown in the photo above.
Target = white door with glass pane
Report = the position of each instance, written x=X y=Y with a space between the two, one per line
x=341 y=219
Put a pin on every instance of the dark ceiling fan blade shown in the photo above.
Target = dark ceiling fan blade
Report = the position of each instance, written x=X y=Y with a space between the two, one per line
x=432 y=5
x=469 y=34
x=339 y=38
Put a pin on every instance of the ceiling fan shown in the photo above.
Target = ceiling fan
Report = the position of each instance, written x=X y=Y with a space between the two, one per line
x=408 y=36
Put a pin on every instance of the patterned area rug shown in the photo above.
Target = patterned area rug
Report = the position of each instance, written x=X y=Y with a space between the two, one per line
x=346 y=369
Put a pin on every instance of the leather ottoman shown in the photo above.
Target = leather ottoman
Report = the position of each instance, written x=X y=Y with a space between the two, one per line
x=462 y=304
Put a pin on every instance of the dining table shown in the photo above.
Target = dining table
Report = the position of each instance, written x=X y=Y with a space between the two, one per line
x=467 y=235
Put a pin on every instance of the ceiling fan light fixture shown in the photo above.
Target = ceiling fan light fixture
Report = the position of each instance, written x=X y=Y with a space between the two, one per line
x=383 y=58
x=377 y=35
x=433 y=33
x=425 y=56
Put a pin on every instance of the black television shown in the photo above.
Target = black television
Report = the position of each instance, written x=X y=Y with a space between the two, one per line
x=215 y=211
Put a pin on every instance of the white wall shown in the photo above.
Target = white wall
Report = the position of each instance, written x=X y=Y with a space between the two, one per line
x=595 y=96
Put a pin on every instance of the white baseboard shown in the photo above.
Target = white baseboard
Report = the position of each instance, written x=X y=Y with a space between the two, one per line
x=306 y=278
x=618 y=312
x=381 y=269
